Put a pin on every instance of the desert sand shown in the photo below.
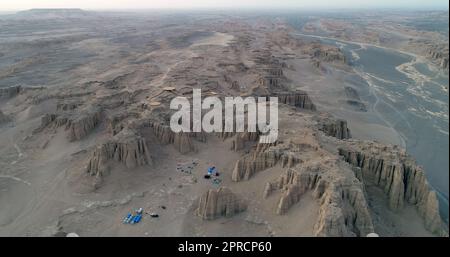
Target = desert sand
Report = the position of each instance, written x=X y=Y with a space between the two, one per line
x=85 y=135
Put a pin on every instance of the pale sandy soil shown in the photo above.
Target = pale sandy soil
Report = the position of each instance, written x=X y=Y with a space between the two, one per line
x=220 y=39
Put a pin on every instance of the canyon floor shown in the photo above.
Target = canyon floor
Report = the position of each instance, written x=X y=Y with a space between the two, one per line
x=85 y=136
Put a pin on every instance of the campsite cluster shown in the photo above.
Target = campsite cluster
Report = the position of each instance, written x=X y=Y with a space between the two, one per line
x=212 y=174
x=136 y=216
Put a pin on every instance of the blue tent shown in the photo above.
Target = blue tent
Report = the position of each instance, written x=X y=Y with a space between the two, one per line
x=211 y=170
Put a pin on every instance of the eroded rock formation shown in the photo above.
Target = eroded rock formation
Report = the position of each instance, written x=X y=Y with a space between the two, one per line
x=298 y=99
x=3 y=118
x=335 y=128
x=126 y=147
x=76 y=127
x=182 y=141
x=9 y=92
x=240 y=140
x=343 y=208
x=59 y=95
x=268 y=81
x=401 y=179
x=83 y=125
x=219 y=203
x=327 y=53
x=343 y=211
x=439 y=55
x=51 y=120
x=68 y=105
x=263 y=157
x=354 y=100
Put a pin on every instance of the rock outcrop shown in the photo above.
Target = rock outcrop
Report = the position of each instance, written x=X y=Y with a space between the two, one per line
x=343 y=211
x=219 y=203
x=335 y=128
x=47 y=119
x=126 y=147
x=343 y=208
x=83 y=125
x=353 y=99
x=163 y=133
x=3 y=118
x=182 y=141
x=59 y=95
x=268 y=81
x=293 y=185
x=249 y=165
x=51 y=120
x=356 y=105
x=400 y=178
x=326 y=53
x=263 y=157
x=68 y=105
x=115 y=123
x=77 y=128
x=240 y=140
x=270 y=71
x=298 y=99
x=351 y=93
x=439 y=55
x=9 y=92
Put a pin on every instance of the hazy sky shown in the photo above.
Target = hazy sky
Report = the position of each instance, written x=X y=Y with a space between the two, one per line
x=140 y=4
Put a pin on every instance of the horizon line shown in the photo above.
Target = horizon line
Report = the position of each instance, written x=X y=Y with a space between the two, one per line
x=428 y=8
